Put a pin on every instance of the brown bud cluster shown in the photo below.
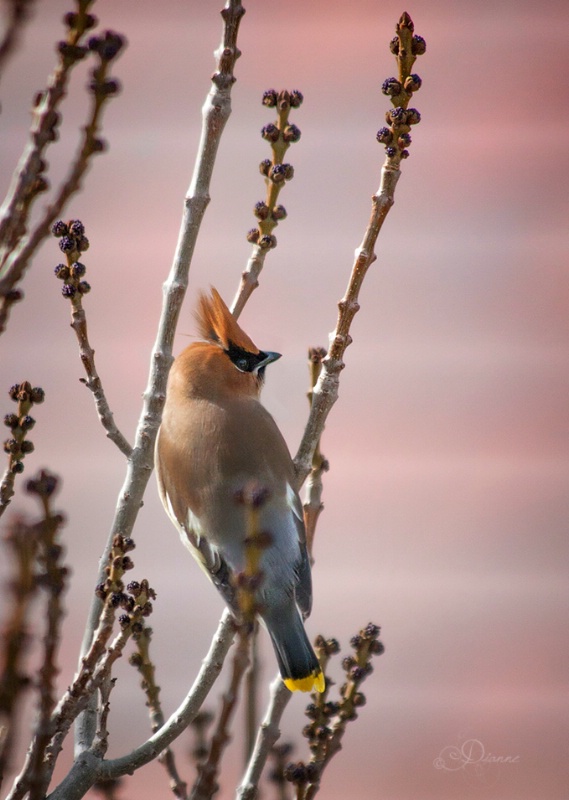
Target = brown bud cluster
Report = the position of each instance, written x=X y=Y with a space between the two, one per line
x=72 y=242
x=406 y=46
x=280 y=135
x=17 y=446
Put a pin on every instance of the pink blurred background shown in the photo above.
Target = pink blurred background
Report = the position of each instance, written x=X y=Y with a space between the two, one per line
x=446 y=501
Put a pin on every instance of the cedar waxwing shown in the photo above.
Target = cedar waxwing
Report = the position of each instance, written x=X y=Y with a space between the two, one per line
x=215 y=439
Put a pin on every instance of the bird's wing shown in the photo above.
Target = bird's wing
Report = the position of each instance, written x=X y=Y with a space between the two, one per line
x=303 y=571
x=207 y=555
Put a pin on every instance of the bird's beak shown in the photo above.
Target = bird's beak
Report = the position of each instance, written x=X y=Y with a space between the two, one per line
x=268 y=359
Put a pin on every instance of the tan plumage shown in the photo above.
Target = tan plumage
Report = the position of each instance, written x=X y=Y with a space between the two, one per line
x=215 y=438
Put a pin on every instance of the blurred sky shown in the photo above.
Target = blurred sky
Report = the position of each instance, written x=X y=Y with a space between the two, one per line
x=446 y=501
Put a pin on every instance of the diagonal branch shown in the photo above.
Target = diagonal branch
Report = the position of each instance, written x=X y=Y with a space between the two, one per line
x=406 y=47
x=88 y=769
x=325 y=393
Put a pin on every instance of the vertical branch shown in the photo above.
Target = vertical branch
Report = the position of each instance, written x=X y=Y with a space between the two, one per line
x=313 y=505
x=215 y=113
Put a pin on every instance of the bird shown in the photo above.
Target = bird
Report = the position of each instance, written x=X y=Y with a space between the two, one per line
x=215 y=439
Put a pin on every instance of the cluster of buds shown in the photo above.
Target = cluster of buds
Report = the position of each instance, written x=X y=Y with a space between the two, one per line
x=328 y=718
x=301 y=774
x=44 y=485
x=396 y=137
x=17 y=446
x=357 y=668
x=72 y=242
x=106 y=47
x=77 y=24
x=137 y=604
x=119 y=563
x=280 y=135
x=322 y=713
x=134 y=599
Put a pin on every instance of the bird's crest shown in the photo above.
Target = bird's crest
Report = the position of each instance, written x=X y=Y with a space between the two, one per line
x=217 y=324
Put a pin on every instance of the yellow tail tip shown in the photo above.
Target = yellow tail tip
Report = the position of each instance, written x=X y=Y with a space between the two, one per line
x=313 y=681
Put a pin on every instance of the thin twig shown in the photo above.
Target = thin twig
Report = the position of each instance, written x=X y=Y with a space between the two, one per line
x=73 y=242
x=325 y=392
x=313 y=505
x=251 y=694
x=94 y=667
x=46 y=119
x=280 y=136
x=267 y=735
x=206 y=783
x=144 y=664
x=93 y=382
x=101 y=743
x=330 y=720
x=215 y=113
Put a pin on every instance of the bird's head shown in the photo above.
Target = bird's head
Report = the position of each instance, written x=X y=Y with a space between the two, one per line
x=228 y=360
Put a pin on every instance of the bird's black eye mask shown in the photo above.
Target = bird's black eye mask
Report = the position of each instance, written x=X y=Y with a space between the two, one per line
x=244 y=360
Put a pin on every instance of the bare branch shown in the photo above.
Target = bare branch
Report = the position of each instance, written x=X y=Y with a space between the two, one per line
x=313 y=505
x=73 y=242
x=267 y=735
x=206 y=784
x=251 y=693
x=93 y=382
x=215 y=113
x=145 y=666
x=325 y=392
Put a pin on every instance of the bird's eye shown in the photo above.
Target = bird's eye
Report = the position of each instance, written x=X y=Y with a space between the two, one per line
x=242 y=364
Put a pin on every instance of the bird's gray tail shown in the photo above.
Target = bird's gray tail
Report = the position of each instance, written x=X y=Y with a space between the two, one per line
x=297 y=661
